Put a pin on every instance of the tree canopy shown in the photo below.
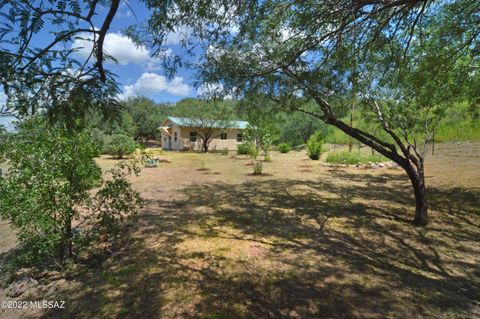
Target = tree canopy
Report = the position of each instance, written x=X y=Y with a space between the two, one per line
x=406 y=61
x=38 y=74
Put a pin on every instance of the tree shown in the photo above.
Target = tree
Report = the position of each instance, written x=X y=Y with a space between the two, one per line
x=146 y=116
x=48 y=184
x=121 y=145
x=296 y=52
x=298 y=126
x=263 y=122
x=46 y=74
x=206 y=118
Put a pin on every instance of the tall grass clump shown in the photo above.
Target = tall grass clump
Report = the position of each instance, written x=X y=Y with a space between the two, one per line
x=466 y=130
x=352 y=158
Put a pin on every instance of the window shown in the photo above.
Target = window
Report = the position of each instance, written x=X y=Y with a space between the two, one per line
x=223 y=136
x=239 y=137
x=193 y=136
x=175 y=136
x=164 y=139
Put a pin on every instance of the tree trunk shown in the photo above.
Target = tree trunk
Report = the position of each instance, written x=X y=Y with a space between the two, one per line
x=205 y=146
x=66 y=244
x=415 y=173
x=417 y=179
x=433 y=142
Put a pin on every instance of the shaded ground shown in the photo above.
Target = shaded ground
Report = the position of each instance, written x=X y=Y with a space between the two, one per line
x=308 y=241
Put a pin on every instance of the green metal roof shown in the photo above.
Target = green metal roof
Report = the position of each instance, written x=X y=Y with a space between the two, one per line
x=189 y=122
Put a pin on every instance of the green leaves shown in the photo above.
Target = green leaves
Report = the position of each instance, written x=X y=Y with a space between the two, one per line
x=121 y=145
x=50 y=172
x=116 y=200
x=49 y=182
x=314 y=146
x=35 y=68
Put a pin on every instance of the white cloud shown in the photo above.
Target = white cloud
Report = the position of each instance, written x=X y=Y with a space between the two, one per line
x=215 y=90
x=152 y=83
x=180 y=34
x=117 y=45
x=128 y=13
x=3 y=98
x=122 y=49
x=210 y=89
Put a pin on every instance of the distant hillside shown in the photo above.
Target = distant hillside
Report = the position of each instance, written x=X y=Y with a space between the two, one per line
x=460 y=124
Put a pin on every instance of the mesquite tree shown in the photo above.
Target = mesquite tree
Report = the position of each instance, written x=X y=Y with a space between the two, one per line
x=208 y=119
x=39 y=67
x=328 y=52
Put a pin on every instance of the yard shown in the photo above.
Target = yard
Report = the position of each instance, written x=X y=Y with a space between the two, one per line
x=304 y=241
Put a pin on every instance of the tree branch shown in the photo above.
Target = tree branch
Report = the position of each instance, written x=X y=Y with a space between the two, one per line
x=101 y=38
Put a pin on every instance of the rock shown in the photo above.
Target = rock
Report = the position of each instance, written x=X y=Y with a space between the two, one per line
x=55 y=286
x=17 y=288
x=392 y=165
x=381 y=164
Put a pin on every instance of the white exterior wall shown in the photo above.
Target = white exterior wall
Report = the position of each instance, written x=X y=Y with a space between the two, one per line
x=183 y=139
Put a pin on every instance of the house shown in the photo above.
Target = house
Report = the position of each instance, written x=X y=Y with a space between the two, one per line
x=182 y=133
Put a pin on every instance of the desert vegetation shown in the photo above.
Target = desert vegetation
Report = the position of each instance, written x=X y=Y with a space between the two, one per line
x=353 y=191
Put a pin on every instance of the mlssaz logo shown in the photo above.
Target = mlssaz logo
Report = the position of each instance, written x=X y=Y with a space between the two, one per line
x=47 y=304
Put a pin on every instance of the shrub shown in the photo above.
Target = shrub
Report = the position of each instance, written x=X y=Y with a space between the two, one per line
x=245 y=148
x=101 y=139
x=267 y=158
x=224 y=151
x=121 y=145
x=150 y=162
x=115 y=201
x=51 y=175
x=258 y=168
x=253 y=152
x=284 y=148
x=352 y=158
x=314 y=146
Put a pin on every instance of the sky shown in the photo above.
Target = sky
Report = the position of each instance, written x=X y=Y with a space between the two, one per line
x=139 y=73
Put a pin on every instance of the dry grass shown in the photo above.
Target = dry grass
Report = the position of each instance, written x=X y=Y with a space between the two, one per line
x=307 y=241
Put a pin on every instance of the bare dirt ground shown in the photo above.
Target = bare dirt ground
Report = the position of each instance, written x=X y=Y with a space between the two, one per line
x=305 y=241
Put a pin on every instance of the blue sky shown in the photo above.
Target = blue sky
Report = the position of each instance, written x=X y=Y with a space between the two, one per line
x=138 y=73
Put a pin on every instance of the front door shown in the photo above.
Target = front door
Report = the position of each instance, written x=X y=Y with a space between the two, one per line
x=169 y=142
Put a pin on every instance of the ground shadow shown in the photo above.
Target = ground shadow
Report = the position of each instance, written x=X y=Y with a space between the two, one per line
x=311 y=249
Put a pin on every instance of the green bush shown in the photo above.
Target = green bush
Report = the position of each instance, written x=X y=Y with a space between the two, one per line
x=314 y=146
x=121 y=145
x=253 y=152
x=267 y=158
x=48 y=184
x=99 y=138
x=258 y=168
x=284 y=148
x=245 y=148
x=352 y=158
x=224 y=151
